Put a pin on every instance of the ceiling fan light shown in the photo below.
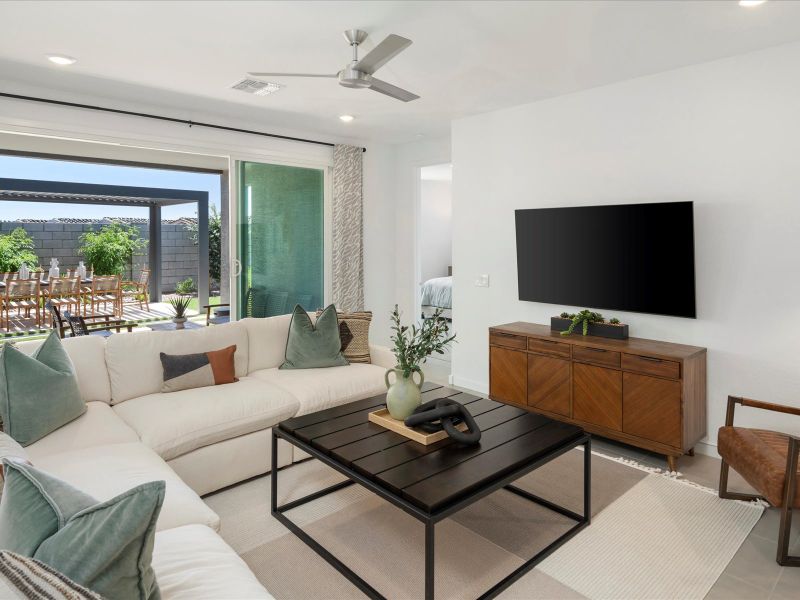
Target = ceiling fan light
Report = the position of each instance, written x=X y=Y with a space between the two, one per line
x=61 y=59
x=346 y=118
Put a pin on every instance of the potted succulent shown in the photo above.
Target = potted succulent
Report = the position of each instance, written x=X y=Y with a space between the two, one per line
x=179 y=306
x=412 y=347
x=589 y=323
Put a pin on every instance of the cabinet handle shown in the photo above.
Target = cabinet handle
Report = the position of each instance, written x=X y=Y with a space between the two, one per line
x=594 y=349
x=651 y=359
x=501 y=334
x=546 y=341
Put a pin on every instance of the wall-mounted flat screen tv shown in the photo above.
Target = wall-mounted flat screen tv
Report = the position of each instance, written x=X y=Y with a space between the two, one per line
x=627 y=257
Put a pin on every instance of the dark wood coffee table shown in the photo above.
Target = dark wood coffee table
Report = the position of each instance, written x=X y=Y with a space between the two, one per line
x=431 y=482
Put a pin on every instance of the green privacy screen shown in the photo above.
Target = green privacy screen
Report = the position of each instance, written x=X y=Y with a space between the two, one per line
x=281 y=239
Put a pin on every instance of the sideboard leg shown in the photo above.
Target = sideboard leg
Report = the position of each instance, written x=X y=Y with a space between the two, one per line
x=672 y=463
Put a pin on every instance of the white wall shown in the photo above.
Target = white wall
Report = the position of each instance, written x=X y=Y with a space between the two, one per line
x=725 y=135
x=436 y=228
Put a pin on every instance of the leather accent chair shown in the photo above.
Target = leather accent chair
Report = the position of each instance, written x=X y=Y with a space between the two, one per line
x=768 y=461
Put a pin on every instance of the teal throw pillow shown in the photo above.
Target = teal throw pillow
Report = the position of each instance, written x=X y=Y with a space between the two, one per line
x=106 y=547
x=38 y=393
x=311 y=346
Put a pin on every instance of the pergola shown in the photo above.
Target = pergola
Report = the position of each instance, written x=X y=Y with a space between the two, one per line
x=64 y=192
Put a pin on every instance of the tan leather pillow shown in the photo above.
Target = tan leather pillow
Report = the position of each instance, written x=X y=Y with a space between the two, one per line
x=189 y=371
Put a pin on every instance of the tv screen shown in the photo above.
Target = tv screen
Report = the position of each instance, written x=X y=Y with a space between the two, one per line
x=628 y=257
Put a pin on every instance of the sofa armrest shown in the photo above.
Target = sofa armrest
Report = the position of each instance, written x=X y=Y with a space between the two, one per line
x=382 y=356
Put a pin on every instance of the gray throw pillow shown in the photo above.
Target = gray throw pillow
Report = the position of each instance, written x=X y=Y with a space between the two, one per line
x=38 y=393
x=311 y=346
x=106 y=547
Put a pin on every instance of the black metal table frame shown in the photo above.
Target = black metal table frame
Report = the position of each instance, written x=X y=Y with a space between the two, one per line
x=430 y=519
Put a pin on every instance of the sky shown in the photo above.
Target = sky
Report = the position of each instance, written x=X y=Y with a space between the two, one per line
x=56 y=170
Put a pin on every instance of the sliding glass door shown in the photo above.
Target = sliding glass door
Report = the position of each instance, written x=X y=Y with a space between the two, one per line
x=280 y=239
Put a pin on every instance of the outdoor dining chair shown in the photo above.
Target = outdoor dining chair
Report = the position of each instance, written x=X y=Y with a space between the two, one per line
x=105 y=289
x=137 y=291
x=63 y=292
x=21 y=295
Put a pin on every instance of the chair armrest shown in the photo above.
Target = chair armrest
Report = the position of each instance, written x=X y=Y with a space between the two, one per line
x=382 y=356
x=216 y=305
x=781 y=408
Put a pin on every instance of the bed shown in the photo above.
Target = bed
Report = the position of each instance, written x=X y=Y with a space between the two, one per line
x=437 y=293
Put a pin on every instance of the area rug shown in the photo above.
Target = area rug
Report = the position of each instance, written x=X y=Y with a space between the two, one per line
x=652 y=537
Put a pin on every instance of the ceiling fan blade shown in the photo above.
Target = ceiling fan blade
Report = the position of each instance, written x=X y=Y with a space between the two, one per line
x=290 y=75
x=383 y=53
x=392 y=90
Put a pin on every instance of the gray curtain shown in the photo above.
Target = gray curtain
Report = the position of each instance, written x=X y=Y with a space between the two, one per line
x=348 y=229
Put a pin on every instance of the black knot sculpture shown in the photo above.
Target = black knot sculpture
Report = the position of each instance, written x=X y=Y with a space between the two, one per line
x=446 y=414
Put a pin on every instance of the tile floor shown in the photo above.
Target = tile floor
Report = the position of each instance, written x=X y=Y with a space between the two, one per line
x=753 y=573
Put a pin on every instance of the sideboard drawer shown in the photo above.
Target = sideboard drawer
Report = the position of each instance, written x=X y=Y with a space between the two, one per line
x=599 y=356
x=509 y=340
x=651 y=366
x=549 y=347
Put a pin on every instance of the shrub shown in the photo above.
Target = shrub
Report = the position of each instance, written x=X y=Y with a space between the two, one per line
x=185 y=287
x=214 y=243
x=17 y=248
x=111 y=249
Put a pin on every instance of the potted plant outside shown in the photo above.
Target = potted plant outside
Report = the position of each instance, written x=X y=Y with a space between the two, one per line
x=412 y=347
x=587 y=322
x=179 y=304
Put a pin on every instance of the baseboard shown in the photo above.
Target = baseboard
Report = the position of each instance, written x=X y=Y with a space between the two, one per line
x=707 y=449
x=477 y=387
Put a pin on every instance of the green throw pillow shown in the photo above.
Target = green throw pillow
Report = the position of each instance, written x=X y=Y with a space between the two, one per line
x=39 y=393
x=106 y=547
x=310 y=346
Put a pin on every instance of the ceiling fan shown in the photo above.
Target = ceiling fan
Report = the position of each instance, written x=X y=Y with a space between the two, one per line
x=358 y=73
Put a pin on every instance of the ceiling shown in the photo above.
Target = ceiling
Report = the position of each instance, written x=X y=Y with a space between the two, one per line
x=467 y=57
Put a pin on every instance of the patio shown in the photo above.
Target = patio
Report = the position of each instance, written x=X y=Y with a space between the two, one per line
x=22 y=323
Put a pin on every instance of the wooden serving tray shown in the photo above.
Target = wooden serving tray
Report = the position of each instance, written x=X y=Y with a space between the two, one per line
x=384 y=419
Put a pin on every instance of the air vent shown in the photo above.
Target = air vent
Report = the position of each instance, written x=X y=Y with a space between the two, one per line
x=259 y=88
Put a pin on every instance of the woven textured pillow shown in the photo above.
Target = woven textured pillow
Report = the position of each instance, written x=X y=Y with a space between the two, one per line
x=354 y=333
x=22 y=577
x=189 y=371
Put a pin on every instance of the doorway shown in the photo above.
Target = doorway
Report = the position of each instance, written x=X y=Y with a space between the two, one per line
x=435 y=250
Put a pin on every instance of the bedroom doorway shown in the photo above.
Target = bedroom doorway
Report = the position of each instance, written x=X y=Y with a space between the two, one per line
x=435 y=251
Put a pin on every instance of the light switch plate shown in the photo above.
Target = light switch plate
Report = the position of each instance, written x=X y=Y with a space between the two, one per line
x=482 y=281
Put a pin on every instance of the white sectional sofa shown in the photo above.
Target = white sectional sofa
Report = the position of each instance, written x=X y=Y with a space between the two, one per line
x=198 y=440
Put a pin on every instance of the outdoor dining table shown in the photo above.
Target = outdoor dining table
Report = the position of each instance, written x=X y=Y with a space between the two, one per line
x=46 y=283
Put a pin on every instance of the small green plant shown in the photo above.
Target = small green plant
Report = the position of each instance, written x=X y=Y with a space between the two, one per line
x=614 y=321
x=185 y=287
x=413 y=345
x=111 y=249
x=583 y=318
x=180 y=305
x=565 y=315
x=16 y=248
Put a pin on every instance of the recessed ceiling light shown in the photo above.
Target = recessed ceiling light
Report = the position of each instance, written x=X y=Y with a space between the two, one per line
x=61 y=59
x=346 y=118
x=750 y=3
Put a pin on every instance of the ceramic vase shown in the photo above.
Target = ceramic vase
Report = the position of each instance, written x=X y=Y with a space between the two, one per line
x=404 y=395
x=179 y=322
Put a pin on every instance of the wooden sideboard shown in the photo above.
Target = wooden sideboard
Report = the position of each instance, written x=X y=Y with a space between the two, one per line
x=645 y=393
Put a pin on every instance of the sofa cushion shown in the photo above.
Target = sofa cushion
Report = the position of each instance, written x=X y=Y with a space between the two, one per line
x=88 y=355
x=98 y=426
x=106 y=471
x=189 y=371
x=105 y=546
x=134 y=364
x=179 y=422
x=194 y=563
x=318 y=389
x=267 y=340
x=38 y=393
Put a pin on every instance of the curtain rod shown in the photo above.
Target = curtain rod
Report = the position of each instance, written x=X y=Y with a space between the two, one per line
x=163 y=118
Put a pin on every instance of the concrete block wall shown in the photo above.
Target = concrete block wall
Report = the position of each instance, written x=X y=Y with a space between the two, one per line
x=62 y=240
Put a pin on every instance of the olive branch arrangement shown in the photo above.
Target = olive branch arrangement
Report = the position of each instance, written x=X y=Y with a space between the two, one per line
x=413 y=345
